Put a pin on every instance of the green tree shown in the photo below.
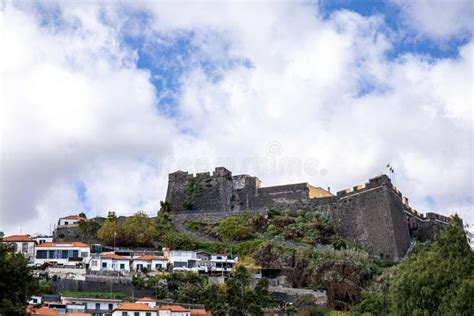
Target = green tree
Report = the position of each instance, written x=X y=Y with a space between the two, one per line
x=139 y=230
x=17 y=283
x=436 y=280
x=89 y=228
x=83 y=215
x=110 y=230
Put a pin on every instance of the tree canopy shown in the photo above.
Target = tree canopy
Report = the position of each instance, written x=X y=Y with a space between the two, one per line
x=17 y=283
x=436 y=279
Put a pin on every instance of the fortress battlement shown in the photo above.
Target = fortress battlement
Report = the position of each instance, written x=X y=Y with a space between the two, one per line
x=375 y=215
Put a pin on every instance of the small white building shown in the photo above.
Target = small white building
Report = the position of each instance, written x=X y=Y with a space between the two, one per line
x=135 y=309
x=97 y=306
x=147 y=300
x=223 y=263
x=23 y=244
x=40 y=239
x=70 y=220
x=34 y=300
x=110 y=262
x=64 y=252
x=183 y=260
x=151 y=263
x=173 y=310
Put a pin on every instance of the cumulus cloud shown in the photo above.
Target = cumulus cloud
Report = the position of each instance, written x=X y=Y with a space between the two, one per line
x=266 y=87
x=439 y=19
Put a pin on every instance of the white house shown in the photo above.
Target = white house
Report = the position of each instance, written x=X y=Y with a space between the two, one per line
x=23 y=244
x=147 y=300
x=97 y=306
x=34 y=300
x=222 y=263
x=65 y=253
x=135 y=309
x=183 y=260
x=40 y=239
x=70 y=220
x=173 y=310
x=151 y=263
x=110 y=262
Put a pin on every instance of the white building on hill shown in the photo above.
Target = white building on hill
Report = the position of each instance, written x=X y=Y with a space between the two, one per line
x=110 y=262
x=23 y=244
x=151 y=263
x=64 y=253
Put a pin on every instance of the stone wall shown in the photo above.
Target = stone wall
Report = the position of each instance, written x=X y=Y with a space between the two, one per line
x=371 y=216
x=374 y=215
x=109 y=285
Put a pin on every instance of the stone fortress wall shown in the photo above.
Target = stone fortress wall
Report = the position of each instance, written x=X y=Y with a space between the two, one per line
x=374 y=215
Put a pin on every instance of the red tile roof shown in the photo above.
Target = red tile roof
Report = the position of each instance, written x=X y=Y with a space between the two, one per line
x=173 y=308
x=112 y=256
x=198 y=312
x=43 y=311
x=146 y=299
x=62 y=244
x=74 y=217
x=134 y=307
x=19 y=238
x=148 y=258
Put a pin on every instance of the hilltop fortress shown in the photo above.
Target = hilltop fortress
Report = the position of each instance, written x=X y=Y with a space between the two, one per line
x=375 y=215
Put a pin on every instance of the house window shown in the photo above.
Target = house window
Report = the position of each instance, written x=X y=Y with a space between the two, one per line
x=111 y=307
x=148 y=314
x=24 y=247
x=94 y=263
x=66 y=223
x=97 y=305
x=104 y=264
x=136 y=314
x=122 y=266
x=41 y=254
x=124 y=314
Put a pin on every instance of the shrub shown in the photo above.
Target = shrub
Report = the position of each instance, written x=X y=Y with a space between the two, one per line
x=232 y=229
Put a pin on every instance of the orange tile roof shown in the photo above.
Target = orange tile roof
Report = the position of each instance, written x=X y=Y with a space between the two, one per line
x=74 y=217
x=112 y=256
x=134 y=307
x=14 y=238
x=43 y=311
x=173 y=308
x=199 y=312
x=148 y=258
x=146 y=299
x=63 y=243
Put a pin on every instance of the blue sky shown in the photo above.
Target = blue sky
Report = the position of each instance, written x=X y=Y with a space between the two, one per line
x=121 y=94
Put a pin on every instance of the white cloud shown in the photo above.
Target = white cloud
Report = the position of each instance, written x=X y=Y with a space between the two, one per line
x=322 y=90
x=439 y=19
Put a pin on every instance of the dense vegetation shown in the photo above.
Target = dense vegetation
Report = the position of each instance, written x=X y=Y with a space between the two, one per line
x=17 y=283
x=436 y=279
x=236 y=297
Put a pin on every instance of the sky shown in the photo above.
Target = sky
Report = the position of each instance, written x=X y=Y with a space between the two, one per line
x=100 y=101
